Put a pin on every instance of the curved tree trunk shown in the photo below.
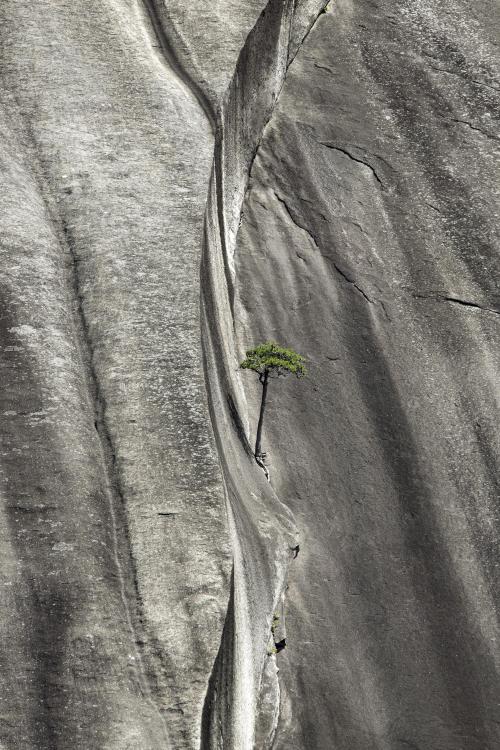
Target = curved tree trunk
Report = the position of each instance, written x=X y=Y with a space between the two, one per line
x=263 y=379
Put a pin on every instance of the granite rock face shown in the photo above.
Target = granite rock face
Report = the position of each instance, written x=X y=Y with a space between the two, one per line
x=118 y=544
x=144 y=553
x=369 y=242
x=115 y=490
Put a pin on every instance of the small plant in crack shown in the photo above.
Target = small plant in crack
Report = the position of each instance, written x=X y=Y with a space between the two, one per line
x=275 y=623
x=270 y=360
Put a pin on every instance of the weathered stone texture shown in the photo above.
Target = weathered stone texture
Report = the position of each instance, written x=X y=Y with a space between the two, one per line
x=369 y=243
x=100 y=265
x=143 y=553
x=110 y=117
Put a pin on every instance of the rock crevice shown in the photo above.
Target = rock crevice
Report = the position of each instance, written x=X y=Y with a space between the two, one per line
x=261 y=574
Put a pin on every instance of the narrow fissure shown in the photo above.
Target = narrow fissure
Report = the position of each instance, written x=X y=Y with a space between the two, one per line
x=455 y=300
x=213 y=309
x=323 y=255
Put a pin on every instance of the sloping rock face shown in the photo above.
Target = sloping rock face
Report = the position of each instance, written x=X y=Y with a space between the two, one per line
x=369 y=243
x=116 y=531
x=144 y=553
x=123 y=571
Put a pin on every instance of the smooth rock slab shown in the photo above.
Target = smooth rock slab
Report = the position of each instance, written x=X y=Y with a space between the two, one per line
x=369 y=244
x=108 y=156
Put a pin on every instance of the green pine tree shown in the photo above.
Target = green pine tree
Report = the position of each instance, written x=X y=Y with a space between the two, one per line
x=270 y=360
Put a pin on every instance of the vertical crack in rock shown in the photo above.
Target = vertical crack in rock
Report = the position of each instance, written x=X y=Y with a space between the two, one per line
x=231 y=704
x=456 y=300
x=350 y=281
x=295 y=221
x=421 y=403
x=317 y=245
x=478 y=130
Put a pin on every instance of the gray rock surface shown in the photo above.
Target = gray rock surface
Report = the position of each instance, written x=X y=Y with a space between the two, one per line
x=244 y=692
x=207 y=38
x=369 y=243
x=143 y=552
x=117 y=546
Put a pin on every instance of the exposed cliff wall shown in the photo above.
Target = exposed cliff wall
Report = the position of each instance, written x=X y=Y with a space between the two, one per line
x=116 y=548
x=143 y=551
x=118 y=544
x=240 y=702
x=369 y=242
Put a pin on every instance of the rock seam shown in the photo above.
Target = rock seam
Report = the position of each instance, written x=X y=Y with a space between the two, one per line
x=208 y=280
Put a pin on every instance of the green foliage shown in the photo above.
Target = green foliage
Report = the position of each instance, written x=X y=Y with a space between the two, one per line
x=274 y=360
x=275 y=623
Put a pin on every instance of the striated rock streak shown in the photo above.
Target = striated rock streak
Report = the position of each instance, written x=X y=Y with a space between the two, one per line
x=101 y=234
x=262 y=528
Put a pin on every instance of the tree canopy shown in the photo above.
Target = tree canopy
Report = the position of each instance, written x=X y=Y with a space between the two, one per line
x=270 y=360
x=273 y=360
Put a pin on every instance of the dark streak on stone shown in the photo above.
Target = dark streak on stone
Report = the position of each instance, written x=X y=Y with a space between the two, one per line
x=323 y=255
x=457 y=301
x=171 y=59
x=294 y=220
x=323 y=67
x=349 y=281
x=344 y=151
x=479 y=130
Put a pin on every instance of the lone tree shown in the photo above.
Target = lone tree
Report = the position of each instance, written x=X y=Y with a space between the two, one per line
x=271 y=361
